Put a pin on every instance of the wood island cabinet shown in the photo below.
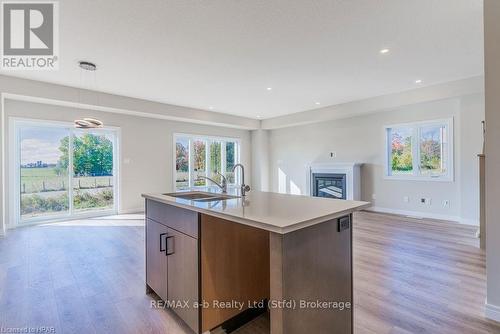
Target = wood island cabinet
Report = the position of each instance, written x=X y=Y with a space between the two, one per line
x=191 y=258
x=197 y=261
x=172 y=259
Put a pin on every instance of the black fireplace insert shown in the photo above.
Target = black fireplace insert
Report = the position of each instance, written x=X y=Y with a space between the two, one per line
x=329 y=185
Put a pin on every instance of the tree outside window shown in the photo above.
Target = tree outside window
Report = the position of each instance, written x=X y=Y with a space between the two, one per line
x=199 y=161
x=420 y=150
x=182 y=163
x=215 y=160
x=204 y=156
x=402 y=156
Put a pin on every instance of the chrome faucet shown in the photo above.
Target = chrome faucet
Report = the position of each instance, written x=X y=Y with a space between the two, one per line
x=222 y=185
x=244 y=188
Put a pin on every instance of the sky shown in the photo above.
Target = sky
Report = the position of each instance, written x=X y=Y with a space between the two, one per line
x=41 y=144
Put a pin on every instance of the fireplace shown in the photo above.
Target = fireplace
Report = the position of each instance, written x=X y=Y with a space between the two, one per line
x=335 y=180
x=329 y=185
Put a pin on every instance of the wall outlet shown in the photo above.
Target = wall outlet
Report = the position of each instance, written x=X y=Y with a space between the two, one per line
x=333 y=155
x=374 y=196
x=406 y=199
x=426 y=201
x=446 y=203
x=127 y=161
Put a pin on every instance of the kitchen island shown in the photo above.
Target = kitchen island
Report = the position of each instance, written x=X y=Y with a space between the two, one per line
x=219 y=260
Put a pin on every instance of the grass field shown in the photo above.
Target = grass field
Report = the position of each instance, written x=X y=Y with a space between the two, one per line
x=34 y=180
x=44 y=192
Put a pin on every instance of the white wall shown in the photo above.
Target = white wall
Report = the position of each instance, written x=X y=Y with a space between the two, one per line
x=260 y=160
x=64 y=95
x=146 y=142
x=471 y=144
x=446 y=90
x=492 y=86
x=147 y=112
x=362 y=139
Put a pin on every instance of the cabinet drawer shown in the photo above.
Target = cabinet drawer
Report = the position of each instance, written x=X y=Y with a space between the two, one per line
x=179 y=219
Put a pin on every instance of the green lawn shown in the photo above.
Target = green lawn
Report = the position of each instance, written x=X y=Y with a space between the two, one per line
x=39 y=179
x=45 y=192
x=34 y=180
x=38 y=172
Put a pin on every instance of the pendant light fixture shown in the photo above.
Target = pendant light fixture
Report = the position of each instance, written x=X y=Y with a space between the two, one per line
x=87 y=122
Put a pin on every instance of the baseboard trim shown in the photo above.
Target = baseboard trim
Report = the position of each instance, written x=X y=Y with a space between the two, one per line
x=492 y=312
x=130 y=211
x=419 y=214
x=467 y=221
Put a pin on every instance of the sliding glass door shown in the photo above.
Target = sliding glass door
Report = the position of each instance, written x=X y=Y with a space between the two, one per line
x=93 y=176
x=64 y=172
x=44 y=184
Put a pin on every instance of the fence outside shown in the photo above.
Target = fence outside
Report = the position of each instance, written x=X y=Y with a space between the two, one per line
x=31 y=185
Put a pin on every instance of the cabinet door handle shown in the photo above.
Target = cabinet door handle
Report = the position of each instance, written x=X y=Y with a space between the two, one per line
x=167 y=253
x=162 y=248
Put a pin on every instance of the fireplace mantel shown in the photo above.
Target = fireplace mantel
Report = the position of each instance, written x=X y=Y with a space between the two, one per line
x=352 y=170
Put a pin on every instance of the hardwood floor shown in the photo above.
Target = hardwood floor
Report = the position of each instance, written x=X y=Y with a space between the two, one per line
x=410 y=276
x=79 y=277
x=418 y=276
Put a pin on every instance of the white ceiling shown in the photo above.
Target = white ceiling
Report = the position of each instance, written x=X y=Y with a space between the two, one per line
x=225 y=53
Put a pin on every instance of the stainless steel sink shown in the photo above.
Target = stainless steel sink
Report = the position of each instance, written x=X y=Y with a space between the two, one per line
x=201 y=196
x=215 y=198
x=190 y=195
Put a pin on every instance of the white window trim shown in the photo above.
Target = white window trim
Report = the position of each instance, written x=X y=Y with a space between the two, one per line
x=450 y=175
x=207 y=139
x=14 y=173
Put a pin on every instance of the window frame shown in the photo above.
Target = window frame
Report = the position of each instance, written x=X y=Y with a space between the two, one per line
x=14 y=154
x=416 y=132
x=208 y=139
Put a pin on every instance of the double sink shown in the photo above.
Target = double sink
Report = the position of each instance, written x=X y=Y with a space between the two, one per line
x=200 y=196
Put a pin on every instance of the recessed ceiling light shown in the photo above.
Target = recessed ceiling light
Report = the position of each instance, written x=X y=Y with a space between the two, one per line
x=384 y=51
x=258 y=116
x=269 y=88
x=211 y=108
x=419 y=81
x=317 y=103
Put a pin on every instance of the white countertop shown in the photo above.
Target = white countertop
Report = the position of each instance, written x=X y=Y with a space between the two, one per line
x=274 y=212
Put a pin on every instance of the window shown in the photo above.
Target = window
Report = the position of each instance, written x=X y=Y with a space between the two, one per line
x=420 y=151
x=43 y=171
x=93 y=170
x=197 y=156
x=62 y=172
